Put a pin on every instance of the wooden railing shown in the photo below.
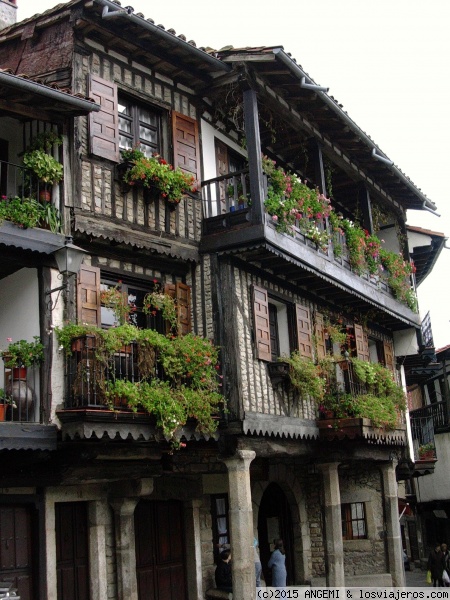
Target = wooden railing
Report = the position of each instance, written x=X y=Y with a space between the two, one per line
x=227 y=193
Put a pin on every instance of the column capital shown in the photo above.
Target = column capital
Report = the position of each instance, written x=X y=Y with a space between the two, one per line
x=124 y=507
x=327 y=467
x=240 y=461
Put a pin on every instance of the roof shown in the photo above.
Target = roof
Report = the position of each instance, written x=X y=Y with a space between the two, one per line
x=425 y=254
x=21 y=94
x=310 y=107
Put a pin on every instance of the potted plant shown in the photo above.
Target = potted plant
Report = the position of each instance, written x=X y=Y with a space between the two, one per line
x=22 y=354
x=156 y=175
x=114 y=298
x=427 y=451
x=39 y=160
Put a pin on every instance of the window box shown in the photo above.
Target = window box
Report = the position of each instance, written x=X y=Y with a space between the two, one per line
x=278 y=371
x=356 y=428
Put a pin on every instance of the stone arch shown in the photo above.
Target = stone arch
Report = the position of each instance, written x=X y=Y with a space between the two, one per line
x=291 y=487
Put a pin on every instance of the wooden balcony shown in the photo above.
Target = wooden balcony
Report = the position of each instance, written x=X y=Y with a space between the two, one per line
x=228 y=228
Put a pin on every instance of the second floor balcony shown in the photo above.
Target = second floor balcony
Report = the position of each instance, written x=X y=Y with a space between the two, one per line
x=318 y=246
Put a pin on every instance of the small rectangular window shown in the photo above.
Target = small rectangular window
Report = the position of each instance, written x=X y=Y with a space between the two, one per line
x=353 y=521
x=139 y=126
x=220 y=524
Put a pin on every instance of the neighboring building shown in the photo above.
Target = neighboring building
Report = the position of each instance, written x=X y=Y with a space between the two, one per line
x=101 y=503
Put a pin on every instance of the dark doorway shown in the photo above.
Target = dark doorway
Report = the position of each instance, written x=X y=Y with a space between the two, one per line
x=72 y=550
x=17 y=540
x=274 y=521
x=160 y=556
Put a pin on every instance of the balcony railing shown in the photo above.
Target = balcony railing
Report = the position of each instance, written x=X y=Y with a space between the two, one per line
x=425 y=422
x=21 y=399
x=16 y=180
x=228 y=196
x=89 y=373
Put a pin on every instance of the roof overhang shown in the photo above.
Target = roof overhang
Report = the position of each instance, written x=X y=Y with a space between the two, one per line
x=425 y=247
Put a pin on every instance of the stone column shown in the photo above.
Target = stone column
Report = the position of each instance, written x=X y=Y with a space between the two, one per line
x=333 y=525
x=241 y=524
x=194 y=554
x=393 y=536
x=125 y=547
x=98 y=519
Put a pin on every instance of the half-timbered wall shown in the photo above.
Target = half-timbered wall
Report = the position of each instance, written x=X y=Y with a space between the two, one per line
x=98 y=189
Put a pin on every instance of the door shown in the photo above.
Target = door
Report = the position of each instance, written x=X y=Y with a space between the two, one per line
x=72 y=550
x=275 y=522
x=17 y=549
x=160 y=556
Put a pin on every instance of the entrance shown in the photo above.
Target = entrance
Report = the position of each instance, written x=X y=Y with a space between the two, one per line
x=160 y=556
x=72 y=550
x=275 y=522
x=16 y=543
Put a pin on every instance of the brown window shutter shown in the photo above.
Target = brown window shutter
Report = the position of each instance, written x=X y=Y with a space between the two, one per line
x=103 y=125
x=389 y=356
x=320 y=336
x=186 y=149
x=261 y=323
x=304 y=338
x=361 y=342
x=88 y=297
x=183 y=296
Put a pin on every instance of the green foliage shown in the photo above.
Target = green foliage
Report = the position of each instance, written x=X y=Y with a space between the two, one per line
x=159 y=301
x=23 y=353
x=425 y=449
x=24 y=212
x=44 y=166
x=114 y=298
x=172 y=183
x=190 y=365
x=305 y=376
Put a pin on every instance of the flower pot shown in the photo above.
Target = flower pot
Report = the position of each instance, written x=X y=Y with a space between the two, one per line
x=45 y=196
x=2 y=412
x=19 y=373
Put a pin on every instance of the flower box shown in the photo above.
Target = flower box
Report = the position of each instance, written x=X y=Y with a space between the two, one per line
x=353 y=428
x=278 y=371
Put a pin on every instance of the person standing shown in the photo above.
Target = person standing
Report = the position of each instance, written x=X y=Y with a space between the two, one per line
x=436 y=566
x=277 y=563
x=446 y=557
x=258 y=566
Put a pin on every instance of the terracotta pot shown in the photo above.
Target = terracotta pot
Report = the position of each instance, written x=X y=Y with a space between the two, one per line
x=45 y=196
x=2 y=412
x=19 y=373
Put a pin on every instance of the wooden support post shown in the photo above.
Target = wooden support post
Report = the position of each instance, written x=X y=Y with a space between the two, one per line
x=251 y=120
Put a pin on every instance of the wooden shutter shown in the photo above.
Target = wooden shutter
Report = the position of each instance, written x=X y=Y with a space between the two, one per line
x=261 y=323
x=183 y=297
x=320 y=336
x=389 y=360
x=186 y=149
x=361 y=342
x=88 y=297
x=303 y=319
x=181 y=293
x=103 y=125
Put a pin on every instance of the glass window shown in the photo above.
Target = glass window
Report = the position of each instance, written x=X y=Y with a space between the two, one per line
x=353 y=521
x=138 y=125
x=220 y=524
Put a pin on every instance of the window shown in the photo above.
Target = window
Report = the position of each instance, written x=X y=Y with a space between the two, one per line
x=220 y=524
x=138 y=125
x=353 y=521
x=135 y=294
x=279 y=326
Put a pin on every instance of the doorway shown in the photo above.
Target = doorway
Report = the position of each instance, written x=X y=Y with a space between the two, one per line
x=275 y=522
x=160 y=555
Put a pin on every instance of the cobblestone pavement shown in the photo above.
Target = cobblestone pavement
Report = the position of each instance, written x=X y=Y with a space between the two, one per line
x=416 y=578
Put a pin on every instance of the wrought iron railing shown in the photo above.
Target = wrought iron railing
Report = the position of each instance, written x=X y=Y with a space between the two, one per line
x=16 y=180
x=90 y=371
x=20 y=401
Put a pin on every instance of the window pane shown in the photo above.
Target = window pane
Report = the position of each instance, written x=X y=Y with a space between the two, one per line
x=222 y=525
x=220 y=506
x=124 y=108
x=125 y=143
x=124 y=125
x=150 y=118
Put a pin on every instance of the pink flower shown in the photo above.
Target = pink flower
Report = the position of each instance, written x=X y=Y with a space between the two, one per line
x=275 y=218
x=9 y=340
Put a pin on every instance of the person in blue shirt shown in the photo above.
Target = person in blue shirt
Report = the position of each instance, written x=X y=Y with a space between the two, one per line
x=277 y=563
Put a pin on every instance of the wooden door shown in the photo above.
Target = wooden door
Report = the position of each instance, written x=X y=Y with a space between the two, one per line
x=17 y=549
x=72 y=551
x=160 y=556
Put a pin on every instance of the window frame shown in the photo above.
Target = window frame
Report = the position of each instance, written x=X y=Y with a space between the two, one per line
x=347 y=521
x=217 y=546
x=135 y=123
